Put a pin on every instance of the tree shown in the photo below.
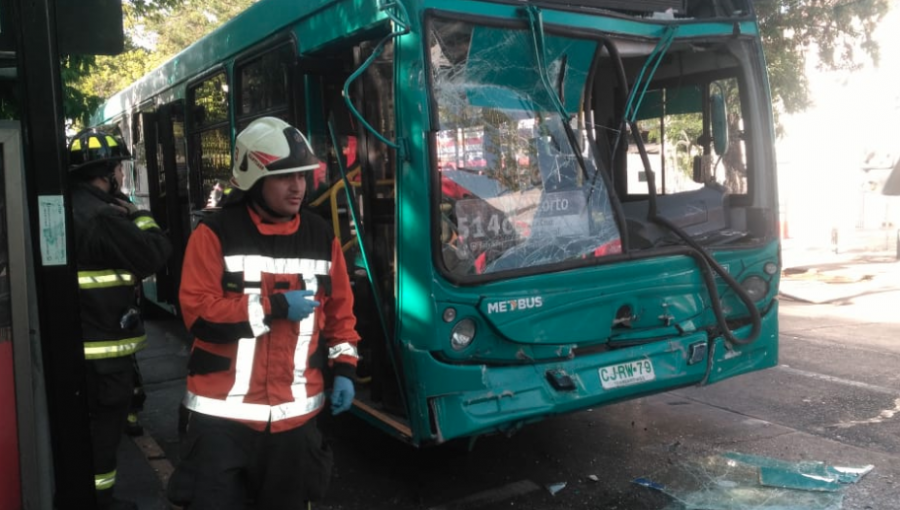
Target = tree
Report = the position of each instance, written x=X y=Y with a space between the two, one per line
x=838 y=33
x=833 y=31
x=155 y=30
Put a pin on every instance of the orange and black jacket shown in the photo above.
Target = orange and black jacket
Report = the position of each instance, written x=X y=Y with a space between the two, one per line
x=249 y=363
x=114 y=251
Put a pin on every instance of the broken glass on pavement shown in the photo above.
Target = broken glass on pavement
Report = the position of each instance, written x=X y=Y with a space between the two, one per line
x=737 y=481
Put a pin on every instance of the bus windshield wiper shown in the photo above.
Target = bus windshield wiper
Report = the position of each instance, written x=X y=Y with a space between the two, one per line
x=536 y=24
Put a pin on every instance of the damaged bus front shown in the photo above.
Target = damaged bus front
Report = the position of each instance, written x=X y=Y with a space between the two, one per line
x=617 y=237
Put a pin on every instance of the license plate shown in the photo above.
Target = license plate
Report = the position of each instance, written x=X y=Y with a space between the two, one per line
x=626 y=374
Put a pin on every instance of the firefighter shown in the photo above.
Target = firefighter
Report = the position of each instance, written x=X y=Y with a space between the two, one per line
x=266 y=293
x=116 y=246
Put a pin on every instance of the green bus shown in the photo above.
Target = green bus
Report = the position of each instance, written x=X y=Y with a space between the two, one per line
x=546 y=205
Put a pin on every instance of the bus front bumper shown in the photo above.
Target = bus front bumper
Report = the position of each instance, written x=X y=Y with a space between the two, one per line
x=513 y=396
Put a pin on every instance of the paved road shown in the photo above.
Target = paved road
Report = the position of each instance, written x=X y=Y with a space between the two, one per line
x=835 y=398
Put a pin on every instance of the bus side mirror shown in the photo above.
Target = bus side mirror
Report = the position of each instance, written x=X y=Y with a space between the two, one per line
x=719 y=123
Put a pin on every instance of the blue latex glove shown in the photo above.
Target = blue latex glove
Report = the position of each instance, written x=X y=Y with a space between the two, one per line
x=342 y=394
x=299 y=307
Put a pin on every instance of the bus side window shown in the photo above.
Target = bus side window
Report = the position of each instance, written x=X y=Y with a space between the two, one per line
x=262 y=86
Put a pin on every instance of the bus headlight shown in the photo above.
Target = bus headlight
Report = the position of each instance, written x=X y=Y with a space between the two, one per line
x=462 y=334
x=755 y=287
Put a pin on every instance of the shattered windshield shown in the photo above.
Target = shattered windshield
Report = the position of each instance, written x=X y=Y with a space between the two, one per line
x=513 y=193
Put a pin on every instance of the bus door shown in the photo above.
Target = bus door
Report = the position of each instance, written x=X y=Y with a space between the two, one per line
x=373 y=96
x=174 y=215
x=159 y=161
x=368 y=165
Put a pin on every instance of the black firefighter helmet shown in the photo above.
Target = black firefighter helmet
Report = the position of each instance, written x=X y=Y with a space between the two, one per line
x=95 y=153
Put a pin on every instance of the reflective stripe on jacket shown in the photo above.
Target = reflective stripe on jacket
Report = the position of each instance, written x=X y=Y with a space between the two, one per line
x=118 y=288
x=246 y=365
x=114 y=251
x=105 y=481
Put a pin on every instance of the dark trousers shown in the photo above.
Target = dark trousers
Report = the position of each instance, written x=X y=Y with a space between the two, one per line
x=109 y=396
x=226 y=465
x=138 y=395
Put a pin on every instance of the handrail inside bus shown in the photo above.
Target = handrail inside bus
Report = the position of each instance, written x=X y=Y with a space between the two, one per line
x=332 y=191
x=331 y=195
x=536 y=24
x=403 y=22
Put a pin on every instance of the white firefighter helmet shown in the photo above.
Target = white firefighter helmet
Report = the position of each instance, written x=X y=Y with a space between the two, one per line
x=269 y=146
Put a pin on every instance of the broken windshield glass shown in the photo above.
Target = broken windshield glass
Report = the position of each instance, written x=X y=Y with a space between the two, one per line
x=737 y=481
x=513 y=193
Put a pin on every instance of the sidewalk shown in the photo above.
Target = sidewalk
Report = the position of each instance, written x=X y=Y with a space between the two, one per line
x=818 y=275
x=146 y=462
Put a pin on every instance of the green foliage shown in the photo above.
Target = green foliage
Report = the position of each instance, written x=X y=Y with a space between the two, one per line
x=74 y=99
x=682 y=133
x=155 y=31
x=839 y=31
x=148 y=8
